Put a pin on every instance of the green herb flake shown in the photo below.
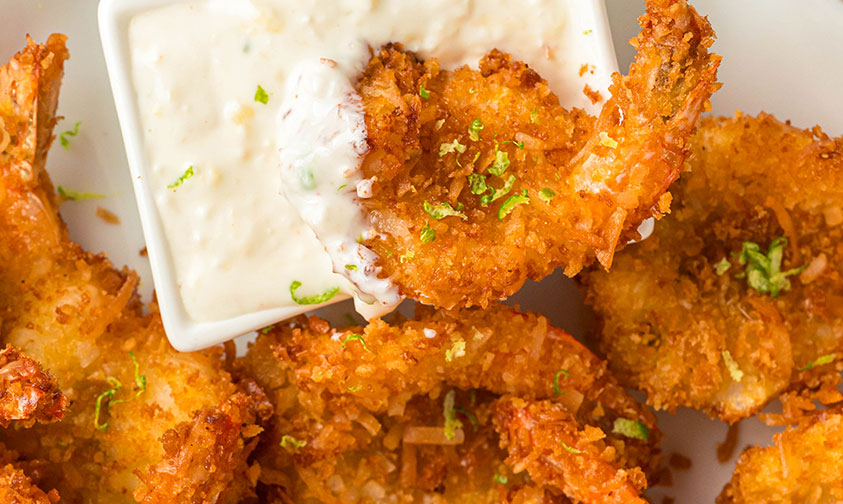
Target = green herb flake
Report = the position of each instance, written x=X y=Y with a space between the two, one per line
x=184 y=176
x=471 y=417
x=569 y=449
x=732 y=365
x=825 y=359
x=311 y=300
x=534 y=116
x=71 y=195
x=547 y=194
x=340 y=188
x=447 y=148
x=359 y=338
x=108 y=394
x=428 y=234
x=722 y=266
x=477 y=183
x=556 y=389
x=631 y=429
x=501 y=162
x=441 y=210
x=498 y=193
x=512 y=202
x=763 y=271
x=261 y=95
x=500 y=479
x=424 y=93
x=351 y=267
x=293 y=443
x=452 y=423
x=69 y=133
x=457 y=350
x=474 y=129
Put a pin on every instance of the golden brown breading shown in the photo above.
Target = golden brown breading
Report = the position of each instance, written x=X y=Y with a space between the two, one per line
x=588 y=181
x=27 y=393
x=17 y=485
x=80 y=319
x=805 y=465
x=687 y=336
x=204 y=458
x=544 y=439
x=343 y=392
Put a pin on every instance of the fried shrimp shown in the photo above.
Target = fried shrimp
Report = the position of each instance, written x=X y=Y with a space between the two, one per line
x=804 y=465
x=373 y=375
x=27 y=393
x=544 y=439
x=737 y=296
x=17 y=484
x=81 y=320
x=483 y=180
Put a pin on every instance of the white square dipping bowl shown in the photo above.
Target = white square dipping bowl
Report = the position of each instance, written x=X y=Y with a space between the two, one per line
x=592 y=45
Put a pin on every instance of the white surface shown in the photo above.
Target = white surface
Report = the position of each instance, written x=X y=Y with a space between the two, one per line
x=781 y=56
x=587 y=34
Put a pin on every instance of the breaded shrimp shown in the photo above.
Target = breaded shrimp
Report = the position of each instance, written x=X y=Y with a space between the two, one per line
x=27 y=393
x=684 y=320
x=804 y=465
x=17 y=484
x=544 y=439
x=81 y=320
x=334 y=388
x=485 y=180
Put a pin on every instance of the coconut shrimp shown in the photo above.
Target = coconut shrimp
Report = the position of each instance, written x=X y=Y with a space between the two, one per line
x=374 y=375
x=480 y=179
x=737 y=295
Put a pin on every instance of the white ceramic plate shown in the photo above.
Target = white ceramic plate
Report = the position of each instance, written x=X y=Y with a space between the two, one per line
x=780 y=56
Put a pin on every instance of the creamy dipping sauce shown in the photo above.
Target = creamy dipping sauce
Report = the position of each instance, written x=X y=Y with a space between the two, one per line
x=236 y=244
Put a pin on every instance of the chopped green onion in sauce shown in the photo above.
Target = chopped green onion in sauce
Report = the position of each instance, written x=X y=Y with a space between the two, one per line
x=184 y=176
x=261 y=96
x=311 y=300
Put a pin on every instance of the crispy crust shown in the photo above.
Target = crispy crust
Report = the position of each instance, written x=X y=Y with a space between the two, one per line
x=77 y=316
x=346 y=403
x=205 y=459
x=18 y=484
x=602 y=193
x=544 y=439
x=26 y=392
x=667 y=318
x=804 y=465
